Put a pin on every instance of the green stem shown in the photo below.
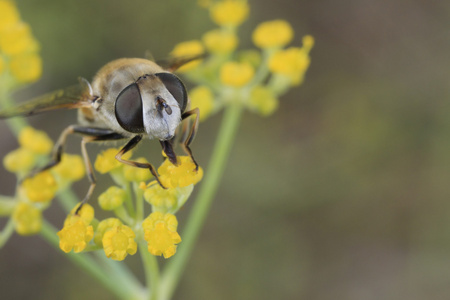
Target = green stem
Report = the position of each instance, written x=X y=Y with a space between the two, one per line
x=213 y=175
x=68 y=199
x=151 y=271
x=89 y=265
x=7 y=231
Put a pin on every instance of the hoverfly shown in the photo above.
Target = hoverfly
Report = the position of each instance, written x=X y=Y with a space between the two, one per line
x=129 y=98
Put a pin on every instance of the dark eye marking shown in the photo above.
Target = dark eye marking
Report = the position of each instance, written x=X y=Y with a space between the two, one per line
x=162 y=104
x=174 y=85
x=128 y=109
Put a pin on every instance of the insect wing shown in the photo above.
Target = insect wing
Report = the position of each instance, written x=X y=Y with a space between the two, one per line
x=76 y=96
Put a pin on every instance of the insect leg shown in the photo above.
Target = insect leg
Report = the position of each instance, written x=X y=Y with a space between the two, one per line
x=168 y=150
x=190 y=137
x=130 y=145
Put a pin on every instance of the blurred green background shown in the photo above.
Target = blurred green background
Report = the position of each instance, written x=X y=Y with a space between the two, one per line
x=342 y=194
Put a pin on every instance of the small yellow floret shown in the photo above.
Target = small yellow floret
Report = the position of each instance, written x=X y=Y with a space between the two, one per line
x=118 y=242
x=104 y=226
x=41 y=187
x=161 y=234
x=26 y=67
x=17 y=39
x=70 y=168
x=182 y=175
x=106 y=161
x=188 y=49
x=132 y=173
x=35 y=140
x=159 y=197
x=203 y=98
x=75 y=235
x=19 y=160
x=9 y=14
x=112 y=198
x=219 y=41
x=229 y=12
x=263 y=100
x=236 y=74
x=292 y=63
x=86 y=214
x=27 y=219
x=277 y=33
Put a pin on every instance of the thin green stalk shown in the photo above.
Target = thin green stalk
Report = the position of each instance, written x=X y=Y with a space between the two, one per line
x=90 y=266
x=68 y=199
x=6 y=232
x=213 y=175
x=151 y=271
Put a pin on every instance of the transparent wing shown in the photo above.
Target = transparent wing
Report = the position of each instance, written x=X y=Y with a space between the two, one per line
x=76 y=96
x=172 y=64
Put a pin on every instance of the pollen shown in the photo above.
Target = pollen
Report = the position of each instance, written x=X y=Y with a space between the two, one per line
x=40 y=188
x=106 y=161
x=112 y=198
x=75 y=235
x=220 y=41
x=118 y=242
x=277 y=33
x=203 y=98
x=236 y=74
x=27 y=219
x=229 y=12
x=70 y=168
x=20 y=160
x=161 y=234
x=179 y=176
x=35 y=140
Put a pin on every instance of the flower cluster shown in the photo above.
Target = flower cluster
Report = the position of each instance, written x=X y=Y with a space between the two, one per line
x=119 y=235
x=35 y=192
x=253 y=78
x=19 y=51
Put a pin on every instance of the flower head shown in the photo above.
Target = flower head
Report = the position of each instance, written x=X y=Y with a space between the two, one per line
x=70 y=168
x=35 y=140
x=41 y=187
x=19 y=161
x=75 y=235
x=118 y=242
x=132 y=173
x=291 y=63
x=106 y=161
x=179 y=176
x=112 y=198
x=9 y=15
x=229 y=12
x=203 y=98
x=161 y=234
x=263 y=100
x=85 y=213
x=236 y=74
x=277 y=33
x=167 y=200
x=220 y=41
x=188 y=49
x=27 y=219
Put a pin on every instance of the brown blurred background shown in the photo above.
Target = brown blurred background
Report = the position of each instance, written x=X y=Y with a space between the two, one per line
x=342 y=194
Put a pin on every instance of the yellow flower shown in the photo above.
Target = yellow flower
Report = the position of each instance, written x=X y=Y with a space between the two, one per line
x=179 y=176
x=118 y=242
x=219 y=41
x=112 y=198
x=236 y=74
x=167 y=200
x=26 y=67
x=308 y=43
x=19 y=160
x=75 y=235
x=275 y=33
x=203 y=98
x=86 y=214
x=188 y=49
x=41 y=187
x=263 y=100
x=229 y=12
x=104 y=226
x=71 y=167
x=137 y=174
x=8 y=14
x=27 y=219
x=35 y=140
x=292 y=63
x=106 y=160
x=161 y=234
x=17 y=40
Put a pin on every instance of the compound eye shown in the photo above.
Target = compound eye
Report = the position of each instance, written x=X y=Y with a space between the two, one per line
x=174 y=85
x=128 y=109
